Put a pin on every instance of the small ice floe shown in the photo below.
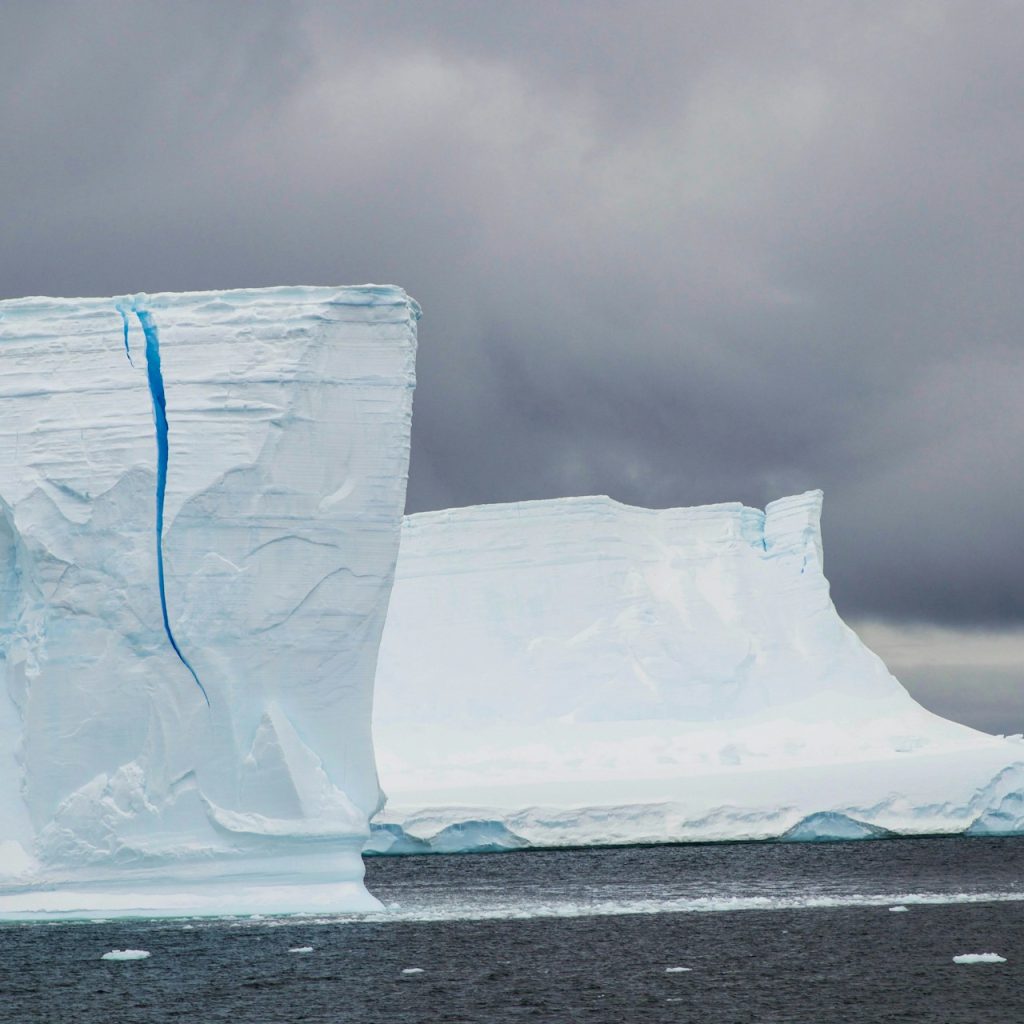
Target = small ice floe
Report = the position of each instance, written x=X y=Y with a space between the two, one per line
x=126 y=954
x=898 y=910
x=979 y=958
x=677 y=970
x=301 y=949
x=412 y=970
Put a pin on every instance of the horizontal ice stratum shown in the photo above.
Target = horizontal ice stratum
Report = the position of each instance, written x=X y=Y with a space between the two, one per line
x=579 y=671
x=200 y=506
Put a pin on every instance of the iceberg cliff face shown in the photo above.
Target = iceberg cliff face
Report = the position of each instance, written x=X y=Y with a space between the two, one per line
x=200 y=502
x=578 y=671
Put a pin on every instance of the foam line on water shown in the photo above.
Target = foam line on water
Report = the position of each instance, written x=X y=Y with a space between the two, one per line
x=614 y=908
x=531 y=910
x=694 y=905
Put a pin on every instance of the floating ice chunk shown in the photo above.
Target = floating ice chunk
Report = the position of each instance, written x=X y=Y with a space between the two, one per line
x=979 y=958
x=301 y=949
x=479 y=836
x=1005 y=818
x=126 y=954
x=393 y=839
x=473 y=835
x=412 y=970
x=829 y=826
x=677 y=970
x=898 y=910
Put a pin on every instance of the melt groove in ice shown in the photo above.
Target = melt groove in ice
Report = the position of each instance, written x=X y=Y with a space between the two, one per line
x=155 y=377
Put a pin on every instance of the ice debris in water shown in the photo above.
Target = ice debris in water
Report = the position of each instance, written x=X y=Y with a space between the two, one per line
x=126 y=954
x=979 y=958
x=677 y=970
x=412 y=970
x=898 y=910
x=301 y=949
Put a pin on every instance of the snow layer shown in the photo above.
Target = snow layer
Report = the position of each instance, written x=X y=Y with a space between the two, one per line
x=200 y=505
x=579 y=671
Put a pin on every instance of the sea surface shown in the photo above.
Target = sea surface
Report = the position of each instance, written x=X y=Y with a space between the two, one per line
x=794 y=934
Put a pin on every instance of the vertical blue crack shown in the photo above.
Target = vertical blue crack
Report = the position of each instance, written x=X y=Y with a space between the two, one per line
x=155 y=378
x=124 y=320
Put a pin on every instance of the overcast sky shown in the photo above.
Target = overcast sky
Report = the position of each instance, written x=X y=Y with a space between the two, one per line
x=674 y=252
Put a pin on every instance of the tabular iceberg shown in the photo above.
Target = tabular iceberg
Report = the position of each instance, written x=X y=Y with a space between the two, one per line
x=200 y=506
x=579 y=671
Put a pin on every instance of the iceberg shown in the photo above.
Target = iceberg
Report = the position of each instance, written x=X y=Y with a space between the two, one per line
x=200 y=506
x=578 y=671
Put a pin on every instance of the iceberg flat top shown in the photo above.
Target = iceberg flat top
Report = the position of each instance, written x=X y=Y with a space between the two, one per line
x=249 y=299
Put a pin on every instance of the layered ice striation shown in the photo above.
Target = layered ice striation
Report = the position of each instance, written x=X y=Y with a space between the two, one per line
x=197 y=545
x=580 y=671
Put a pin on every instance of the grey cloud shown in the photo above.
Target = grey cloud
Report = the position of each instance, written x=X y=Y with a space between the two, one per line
x=674 y=253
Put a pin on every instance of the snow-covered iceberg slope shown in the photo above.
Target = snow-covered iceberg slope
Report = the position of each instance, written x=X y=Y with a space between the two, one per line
x=200 y=507
x=580 y=671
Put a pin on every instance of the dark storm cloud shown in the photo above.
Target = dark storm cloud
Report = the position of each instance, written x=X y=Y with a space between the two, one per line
x=677 y=253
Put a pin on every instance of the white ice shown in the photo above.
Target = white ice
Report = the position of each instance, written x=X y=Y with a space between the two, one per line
x=301 y=949
x=122 y=791
x=898 y=910
x=979 y=958
x=126 y=954
x=579 y=671
x=412 y=970
x=677 y=970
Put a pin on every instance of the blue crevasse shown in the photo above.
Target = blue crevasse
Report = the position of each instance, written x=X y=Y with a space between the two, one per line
x=155 y=378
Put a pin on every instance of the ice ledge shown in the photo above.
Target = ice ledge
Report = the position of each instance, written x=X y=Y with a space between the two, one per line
x=241 y=299
x=787 y=526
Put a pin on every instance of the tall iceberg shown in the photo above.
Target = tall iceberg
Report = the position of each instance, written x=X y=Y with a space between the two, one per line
x=200 y=504
x=580 y=671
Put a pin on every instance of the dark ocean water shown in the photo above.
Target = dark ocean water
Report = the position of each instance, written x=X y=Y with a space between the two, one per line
x=771 y=933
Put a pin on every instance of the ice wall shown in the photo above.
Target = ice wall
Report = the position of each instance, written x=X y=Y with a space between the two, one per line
x=200 y=502
x=579 y=671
